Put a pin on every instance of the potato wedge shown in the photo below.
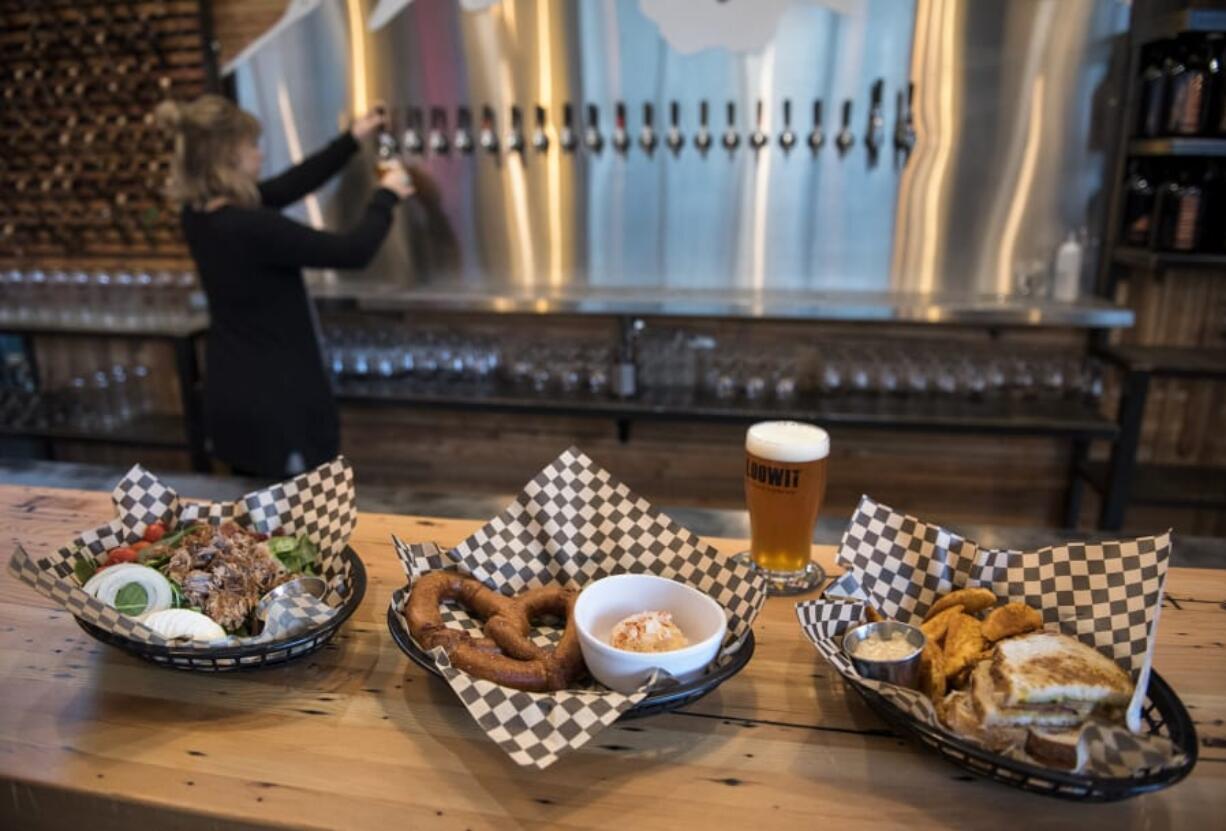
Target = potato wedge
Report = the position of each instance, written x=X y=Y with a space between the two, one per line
x=963 y=644
x=972 y=601
x=934 y=629
x=871 y=614
x=1009 y=620
x=932 y=672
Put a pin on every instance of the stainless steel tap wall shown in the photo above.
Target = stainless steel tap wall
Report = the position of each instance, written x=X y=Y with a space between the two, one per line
x=1007 y=96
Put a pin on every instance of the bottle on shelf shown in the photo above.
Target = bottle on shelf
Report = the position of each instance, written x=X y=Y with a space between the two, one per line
x=1187 y=95
x=1066 y=274
x=1138 y=208
x=1180 y=213
x=1152 y=92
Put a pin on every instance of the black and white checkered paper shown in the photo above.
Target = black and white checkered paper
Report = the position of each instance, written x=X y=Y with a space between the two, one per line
x=572 y=524
x=1108 y=595
x=319 y=503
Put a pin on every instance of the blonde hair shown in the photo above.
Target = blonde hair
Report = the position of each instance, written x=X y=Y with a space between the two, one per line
x=208 y=133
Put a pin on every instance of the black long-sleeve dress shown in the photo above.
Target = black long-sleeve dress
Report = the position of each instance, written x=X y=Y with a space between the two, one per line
x=266 y=393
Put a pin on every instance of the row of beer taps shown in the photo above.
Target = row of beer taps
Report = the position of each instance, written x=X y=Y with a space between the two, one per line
x=418 y=140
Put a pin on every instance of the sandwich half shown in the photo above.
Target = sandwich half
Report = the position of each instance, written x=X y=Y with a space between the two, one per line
x=1049 y=668
x=988 y=699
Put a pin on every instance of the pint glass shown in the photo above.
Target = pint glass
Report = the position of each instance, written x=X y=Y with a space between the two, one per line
x=785 y=483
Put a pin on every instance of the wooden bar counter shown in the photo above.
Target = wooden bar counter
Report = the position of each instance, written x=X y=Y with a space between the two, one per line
x=356 y=736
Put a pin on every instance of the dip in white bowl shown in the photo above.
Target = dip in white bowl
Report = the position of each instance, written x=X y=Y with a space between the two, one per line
x=604 y=603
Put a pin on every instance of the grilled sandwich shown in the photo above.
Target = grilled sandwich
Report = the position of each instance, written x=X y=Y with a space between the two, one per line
x=988 y=699
x=1049 y=668
x=1036 y=692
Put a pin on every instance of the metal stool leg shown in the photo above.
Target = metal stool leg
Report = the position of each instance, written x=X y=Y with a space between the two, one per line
x=1124 y=451
x=1076 y=487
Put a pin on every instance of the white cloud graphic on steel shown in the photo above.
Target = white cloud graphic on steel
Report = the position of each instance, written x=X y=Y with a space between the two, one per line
x=737 y=25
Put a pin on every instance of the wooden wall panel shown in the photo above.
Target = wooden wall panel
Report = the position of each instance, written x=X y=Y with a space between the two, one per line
x=1185 y=420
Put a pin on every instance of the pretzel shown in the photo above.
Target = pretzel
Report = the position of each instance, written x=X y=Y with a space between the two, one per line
x=506 y=655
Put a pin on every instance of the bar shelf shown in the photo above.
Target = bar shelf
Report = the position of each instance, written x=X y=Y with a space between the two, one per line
x=1173 y=146
x=1055 y=417
x=1165 y=485
x=142 y=431
x=1147 y=259
x=1168 y=361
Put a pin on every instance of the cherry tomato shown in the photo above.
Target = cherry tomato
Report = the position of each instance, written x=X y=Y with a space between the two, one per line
x=123 y=554
x=140 y=546
x=155 y=532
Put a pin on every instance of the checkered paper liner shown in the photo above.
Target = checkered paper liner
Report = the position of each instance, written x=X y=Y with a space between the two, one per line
x=572 y=524
x=1107 y=595
x=319 y=503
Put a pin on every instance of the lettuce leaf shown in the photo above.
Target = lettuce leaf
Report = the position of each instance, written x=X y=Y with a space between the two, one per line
x=298 y=554
x=84 y=568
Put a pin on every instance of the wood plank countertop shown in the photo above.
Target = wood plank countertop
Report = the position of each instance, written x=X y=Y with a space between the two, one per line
x=356 y=736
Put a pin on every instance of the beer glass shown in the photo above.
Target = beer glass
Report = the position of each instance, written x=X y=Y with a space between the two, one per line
x=785 y=484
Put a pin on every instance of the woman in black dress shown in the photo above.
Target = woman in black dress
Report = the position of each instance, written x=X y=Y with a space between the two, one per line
x=268 y=405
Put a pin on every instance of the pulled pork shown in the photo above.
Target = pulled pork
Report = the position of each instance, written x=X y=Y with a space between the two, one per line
x=224 y=571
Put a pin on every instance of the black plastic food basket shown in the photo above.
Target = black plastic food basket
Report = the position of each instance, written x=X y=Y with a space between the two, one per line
x=1164 y=715
x=254 y=656
x=661 y=701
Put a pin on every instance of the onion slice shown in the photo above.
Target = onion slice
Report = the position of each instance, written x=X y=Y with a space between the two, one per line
x=184 y=623
x=107 y=583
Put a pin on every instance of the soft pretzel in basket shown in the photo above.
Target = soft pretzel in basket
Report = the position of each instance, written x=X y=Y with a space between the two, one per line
x=506 y=655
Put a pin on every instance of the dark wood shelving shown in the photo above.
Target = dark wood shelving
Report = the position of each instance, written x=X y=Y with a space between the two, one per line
x=1177 y=147
x=1168 y=361
x=144 y=431
x=998 y=416
x=1175 y=23
x=1166 y=485
x=1145 y=258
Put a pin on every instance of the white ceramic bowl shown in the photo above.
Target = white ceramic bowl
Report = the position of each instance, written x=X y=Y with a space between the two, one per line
x=603 y=603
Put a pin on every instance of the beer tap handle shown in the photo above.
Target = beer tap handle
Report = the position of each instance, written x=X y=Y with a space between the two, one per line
x=904 y=129
x=787 y=138
x=439 y=144
x=387 y=149
x=817 y=137
x=515 y=136
x=845 y=138
x=592 y=137
x=702 y=139
x=757 y=139
x=489 y=133
x=412 y=140
x=731 y=137
x=874 y=135
x=621 y=141
x=674 y=140
x=647 y=136
x=566 y=137
x=463 y=130
x=540 y=141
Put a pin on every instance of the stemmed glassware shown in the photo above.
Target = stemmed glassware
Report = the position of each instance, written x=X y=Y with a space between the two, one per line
x=99 y=298
x=677 y=363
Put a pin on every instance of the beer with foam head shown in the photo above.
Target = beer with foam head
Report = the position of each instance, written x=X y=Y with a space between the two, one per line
x=785 y=484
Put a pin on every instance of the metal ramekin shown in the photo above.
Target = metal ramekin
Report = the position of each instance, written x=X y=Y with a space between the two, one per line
x=904 y=671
